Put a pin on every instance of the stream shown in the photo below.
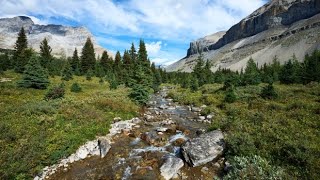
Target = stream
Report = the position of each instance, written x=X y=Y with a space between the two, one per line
x=141 y=152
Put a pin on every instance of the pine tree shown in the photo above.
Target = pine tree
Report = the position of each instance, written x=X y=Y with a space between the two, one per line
x=311 y=67
x=291 y=72
x=208 y=73
x=269 y=92
x=88 y=59
x=67 y=72
x=89 y=75
x=194 y=84
x=198 y=70
x=104 y=61
x=251 y=75
x=45 y=53
x=21 y=57
x=34 y=76
x=75 y=62
x=133 y=53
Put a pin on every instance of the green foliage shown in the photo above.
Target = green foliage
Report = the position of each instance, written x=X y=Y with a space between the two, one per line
x=34 y=76
x=5 y=62
x=56 y=92
x=269 y=92
x=67 y=73
x=113 y=84
x=291 y=72
x=87 y=60
x=75 y=87
x=230 y=96
x=89 y=75
x=21 y=56
x=139 y=94
x=75 y=62
x=45 y=54
x=251 y=75
x=311 y=68
x=36 y=133
x=253 y=167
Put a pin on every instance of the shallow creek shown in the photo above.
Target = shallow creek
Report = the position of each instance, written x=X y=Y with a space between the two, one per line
x=140 y=153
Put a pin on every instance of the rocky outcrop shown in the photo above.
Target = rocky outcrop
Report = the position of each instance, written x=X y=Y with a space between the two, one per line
x=203 y=44
x=203 y=149
x=62 y=39
x=280 y=28
x=275 y=13
x=171 y=166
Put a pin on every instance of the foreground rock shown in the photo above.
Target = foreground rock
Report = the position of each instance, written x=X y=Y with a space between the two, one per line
x=204 y=148
x=99 y=146
x=171 y=166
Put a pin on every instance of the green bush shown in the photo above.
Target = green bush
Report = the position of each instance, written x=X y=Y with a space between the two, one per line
x=139 y=94
x=56 y=92
x=230 y=96
x=75 y=87
x=254 y=167
x=269 y=92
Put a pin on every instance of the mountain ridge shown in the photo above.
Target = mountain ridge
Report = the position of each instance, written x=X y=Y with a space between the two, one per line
x=62 y=39
x=278 y=39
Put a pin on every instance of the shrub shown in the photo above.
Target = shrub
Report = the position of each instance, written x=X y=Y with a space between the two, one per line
x=75 y=87
x=254 y=167
x=269 y=92
x=55 y=93
x=139 y=94
x=230 y=96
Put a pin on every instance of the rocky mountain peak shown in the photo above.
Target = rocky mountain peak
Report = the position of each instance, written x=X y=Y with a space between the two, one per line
x=62 y=39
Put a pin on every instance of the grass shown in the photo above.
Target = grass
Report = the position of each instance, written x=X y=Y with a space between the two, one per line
x=36 y=133
x=285 y=131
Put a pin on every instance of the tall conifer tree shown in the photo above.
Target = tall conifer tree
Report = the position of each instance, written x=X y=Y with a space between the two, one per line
x=21 y=57
x=88 y=59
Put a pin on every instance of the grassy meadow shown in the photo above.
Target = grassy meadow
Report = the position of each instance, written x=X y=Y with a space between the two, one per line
x=36 y=133
x=285 y=131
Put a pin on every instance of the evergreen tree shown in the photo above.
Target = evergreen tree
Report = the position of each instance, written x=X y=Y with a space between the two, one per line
x=87 y=59
x=133 y=53
x=4 y=62
x=198 y=70
x=67 y=72
x=251 y=75
x=311 y=67
x=45 y=53
x=89 y=75
x=113 y=84
x=117 y=60
x=194 y=84
x=230 y=96
x=75 y=62
x=104 y=61
x=75 y=87
x=208 y=73
x=291 y=72
x=21 y=57
x=34 y=76
x=269 y=92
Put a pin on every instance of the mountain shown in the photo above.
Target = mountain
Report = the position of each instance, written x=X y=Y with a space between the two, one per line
x=62 y=39
x=280 y=28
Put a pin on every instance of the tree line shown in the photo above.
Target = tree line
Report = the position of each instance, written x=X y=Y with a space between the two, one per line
x=133 y=69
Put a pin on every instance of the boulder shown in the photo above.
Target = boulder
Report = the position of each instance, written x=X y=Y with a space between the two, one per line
x=171 y=166
x=195 y=109
x=203 y=149
x=104 y=146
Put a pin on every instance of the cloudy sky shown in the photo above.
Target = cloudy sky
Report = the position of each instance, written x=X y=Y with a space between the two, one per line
x=167 y=26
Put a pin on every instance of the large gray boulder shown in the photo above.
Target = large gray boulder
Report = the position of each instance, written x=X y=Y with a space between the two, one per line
x=104 y=146
x=203 y=149
x=171 y=166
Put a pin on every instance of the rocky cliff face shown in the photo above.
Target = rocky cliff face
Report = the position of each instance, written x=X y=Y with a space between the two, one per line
x=280 y=28
x=203 y=44
x=62 y=39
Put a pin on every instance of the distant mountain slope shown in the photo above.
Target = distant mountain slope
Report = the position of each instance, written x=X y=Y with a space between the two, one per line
x=280 y=28
x=62 y=39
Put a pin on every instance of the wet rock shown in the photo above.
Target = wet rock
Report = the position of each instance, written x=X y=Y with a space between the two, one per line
x=209 y=116
x=163 y=106
x=150 y=137
x=200 y=131
x=171 y=166
x=202 y=118
x=149 y=117
x=104 y=146
x=179 y=142
x=161 y=129
x=167 y=122
x=172 y=129
x=203 y=149
x=126 y=132
x=195 y=109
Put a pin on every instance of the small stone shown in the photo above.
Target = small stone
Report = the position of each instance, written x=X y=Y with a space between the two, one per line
x=202 y=118
x=204 y=170
x=117 y=119
x=161 y=129
x=209 y=116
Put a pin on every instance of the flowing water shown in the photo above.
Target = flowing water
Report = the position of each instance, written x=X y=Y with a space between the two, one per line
x=139 y=154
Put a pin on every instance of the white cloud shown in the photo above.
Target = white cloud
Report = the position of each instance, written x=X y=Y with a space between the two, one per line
x=153 y=48
x=178 y=21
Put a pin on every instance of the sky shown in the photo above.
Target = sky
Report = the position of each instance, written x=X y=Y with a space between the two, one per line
x=166 y=26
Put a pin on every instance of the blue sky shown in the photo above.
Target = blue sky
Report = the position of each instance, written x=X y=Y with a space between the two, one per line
x=167 y=26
